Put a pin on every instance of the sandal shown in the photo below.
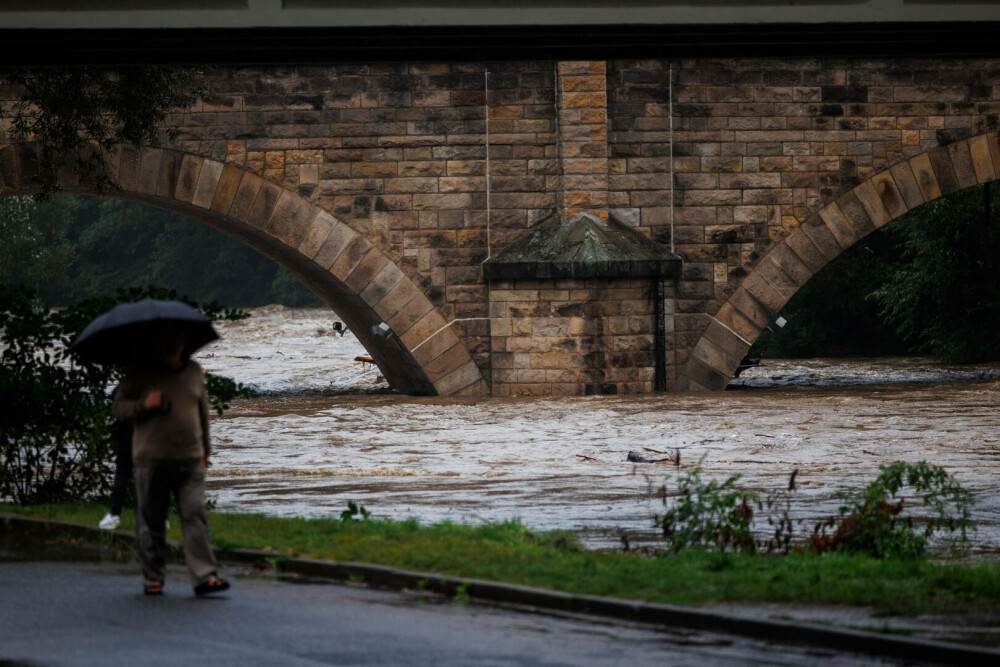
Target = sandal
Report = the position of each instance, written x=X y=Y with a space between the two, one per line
x=152 y=588
x=211 y=585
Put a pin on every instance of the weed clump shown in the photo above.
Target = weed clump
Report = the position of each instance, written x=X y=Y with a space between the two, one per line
x=873 y=523
x=709 y=515
x=718 y=516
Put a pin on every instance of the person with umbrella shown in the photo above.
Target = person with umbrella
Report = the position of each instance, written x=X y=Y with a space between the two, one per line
x=164 y=393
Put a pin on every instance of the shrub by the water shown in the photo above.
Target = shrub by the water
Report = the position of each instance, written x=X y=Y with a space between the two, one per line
x=55 y=441
x=719 y=516
x=709 y=515
x=873 y=522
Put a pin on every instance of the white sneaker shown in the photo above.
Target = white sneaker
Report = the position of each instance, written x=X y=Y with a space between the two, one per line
x=110 y=522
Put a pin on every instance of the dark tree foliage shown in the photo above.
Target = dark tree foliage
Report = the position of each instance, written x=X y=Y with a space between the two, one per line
x=929 y=282
x=79 y=114
x=833 y=314
x=944 y=289
x=69 y=248
x=34 y=249
x=55 y=441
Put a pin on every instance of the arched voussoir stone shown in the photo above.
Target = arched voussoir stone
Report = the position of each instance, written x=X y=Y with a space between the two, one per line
x=817 y=241
x=363 y=285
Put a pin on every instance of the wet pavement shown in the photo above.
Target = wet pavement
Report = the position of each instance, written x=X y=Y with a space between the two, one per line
x=306 y=447
x=94 y=614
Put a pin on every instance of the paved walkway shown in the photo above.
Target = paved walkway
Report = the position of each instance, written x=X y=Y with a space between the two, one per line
x=94 y=614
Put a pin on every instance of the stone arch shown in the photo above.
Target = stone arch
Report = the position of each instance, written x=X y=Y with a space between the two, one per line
x=350 y=274
x=828 y=232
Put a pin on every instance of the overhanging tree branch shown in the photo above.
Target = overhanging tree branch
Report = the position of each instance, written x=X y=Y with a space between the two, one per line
x=77 y=115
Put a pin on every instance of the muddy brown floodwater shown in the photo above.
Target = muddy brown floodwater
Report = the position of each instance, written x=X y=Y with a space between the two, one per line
x=306 y=448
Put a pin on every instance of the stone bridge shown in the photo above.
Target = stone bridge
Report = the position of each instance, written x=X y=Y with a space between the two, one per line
x=385 y=188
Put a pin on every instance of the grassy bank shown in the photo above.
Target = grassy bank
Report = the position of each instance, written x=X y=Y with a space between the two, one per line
x=509 y=552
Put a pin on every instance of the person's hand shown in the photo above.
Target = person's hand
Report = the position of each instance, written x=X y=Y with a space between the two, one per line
x=153 y=400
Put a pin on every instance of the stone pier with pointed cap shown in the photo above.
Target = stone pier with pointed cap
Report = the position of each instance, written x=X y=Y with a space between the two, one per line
x=573 y=309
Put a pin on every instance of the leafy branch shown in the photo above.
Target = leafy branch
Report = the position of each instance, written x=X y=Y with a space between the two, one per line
x=77 y=115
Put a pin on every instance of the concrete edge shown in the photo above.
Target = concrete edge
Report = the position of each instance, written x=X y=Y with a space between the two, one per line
x=382 y=576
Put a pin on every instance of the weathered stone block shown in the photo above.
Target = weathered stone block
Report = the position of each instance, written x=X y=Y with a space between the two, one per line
x=208 y=180
x=909 y=188
x=351 y=257
x=149 y=170
x=246 y=194
x=924 y=174
x=379 y=286
x=944 y=170
x=458 y=379
x=982 y=161
x=263 y=204
x=888 y=193
x=337 y=241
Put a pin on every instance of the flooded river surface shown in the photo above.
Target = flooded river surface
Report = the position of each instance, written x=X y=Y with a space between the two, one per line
x=324 y=432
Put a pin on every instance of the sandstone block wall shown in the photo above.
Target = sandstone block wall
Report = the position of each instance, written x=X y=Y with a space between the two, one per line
x=572 y=337
x=724 y=158
x=718 y=159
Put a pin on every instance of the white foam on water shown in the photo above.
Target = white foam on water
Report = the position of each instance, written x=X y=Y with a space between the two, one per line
x=282 y=349
x=560 y=463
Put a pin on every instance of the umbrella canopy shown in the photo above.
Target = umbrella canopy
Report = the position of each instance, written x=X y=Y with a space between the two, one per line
x=127 y=334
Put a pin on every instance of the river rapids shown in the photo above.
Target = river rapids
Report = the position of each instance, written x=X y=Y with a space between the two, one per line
x=327 y=430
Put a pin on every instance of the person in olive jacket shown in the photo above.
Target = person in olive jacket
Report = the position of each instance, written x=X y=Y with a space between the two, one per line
x=168 y=402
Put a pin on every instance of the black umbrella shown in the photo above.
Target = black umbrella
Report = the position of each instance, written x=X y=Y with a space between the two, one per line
x=127 y=333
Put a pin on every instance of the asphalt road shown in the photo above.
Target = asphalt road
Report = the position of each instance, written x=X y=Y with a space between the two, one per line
x=81 y=614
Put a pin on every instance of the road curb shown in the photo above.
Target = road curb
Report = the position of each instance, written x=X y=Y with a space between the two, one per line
x=16 y=528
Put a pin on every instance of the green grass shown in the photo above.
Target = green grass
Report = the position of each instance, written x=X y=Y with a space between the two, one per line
x=509 y=552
